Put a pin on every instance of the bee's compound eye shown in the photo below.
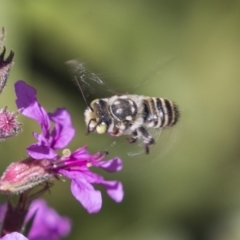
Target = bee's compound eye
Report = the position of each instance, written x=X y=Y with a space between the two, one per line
x=94 y=101
x=101 y=128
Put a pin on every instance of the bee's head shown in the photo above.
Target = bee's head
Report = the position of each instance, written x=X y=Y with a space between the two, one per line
x=95 y=116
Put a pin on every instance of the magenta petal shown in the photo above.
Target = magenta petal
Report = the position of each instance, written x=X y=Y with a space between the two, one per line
x=84 y=192
x=81 y=154
x=112 y=165
x=93 y=177
x=14 y=236
x=63 y=131
x=90 y=198
x=114 y=190
x=47 y=224
x=40 y=152
x=27 y=101
x=26 y=95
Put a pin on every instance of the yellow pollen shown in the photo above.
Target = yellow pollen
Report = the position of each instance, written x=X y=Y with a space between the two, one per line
x=89 y=165
x=66 y=152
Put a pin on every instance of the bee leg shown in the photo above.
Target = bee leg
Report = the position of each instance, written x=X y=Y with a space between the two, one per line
x=133 y=138
x=147 y=138
x=146 y=149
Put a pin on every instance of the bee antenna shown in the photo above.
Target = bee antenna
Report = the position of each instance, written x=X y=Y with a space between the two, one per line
x=81 y=89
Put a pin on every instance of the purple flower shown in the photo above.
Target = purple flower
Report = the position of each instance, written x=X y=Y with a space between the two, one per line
x=48 y=140
x=77 y=169
x=46 y=222
x=74 y=166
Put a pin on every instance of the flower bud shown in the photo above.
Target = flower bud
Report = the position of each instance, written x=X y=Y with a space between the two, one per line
x=24 y=175
x=9 y=126
x=5 y=66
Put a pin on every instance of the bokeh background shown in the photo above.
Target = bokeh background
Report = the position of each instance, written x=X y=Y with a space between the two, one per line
x=188 y=187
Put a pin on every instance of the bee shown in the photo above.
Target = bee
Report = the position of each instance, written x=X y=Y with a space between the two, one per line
x=127 y=114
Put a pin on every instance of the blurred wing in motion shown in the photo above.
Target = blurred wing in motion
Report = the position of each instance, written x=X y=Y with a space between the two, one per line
x=88 y=82
x=165 y=139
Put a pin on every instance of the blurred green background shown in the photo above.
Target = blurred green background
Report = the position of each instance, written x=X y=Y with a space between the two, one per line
x=187 y=188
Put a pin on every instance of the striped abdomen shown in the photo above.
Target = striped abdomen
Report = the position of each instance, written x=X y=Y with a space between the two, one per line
x=159 y=112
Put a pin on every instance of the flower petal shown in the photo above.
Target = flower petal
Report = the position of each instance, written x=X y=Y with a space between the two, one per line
x=113 y=165
x=84 y=192
x=47 y=224
x=81 y=154
x=40 y=152
x=27 y=101
x=41 y=149
x=114 y=190
x=14 y=236
x=63 y=131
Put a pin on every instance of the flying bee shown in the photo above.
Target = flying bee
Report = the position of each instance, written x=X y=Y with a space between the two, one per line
x=126 y=114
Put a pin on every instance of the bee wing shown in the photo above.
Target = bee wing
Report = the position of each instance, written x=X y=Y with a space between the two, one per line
x=88 y=82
